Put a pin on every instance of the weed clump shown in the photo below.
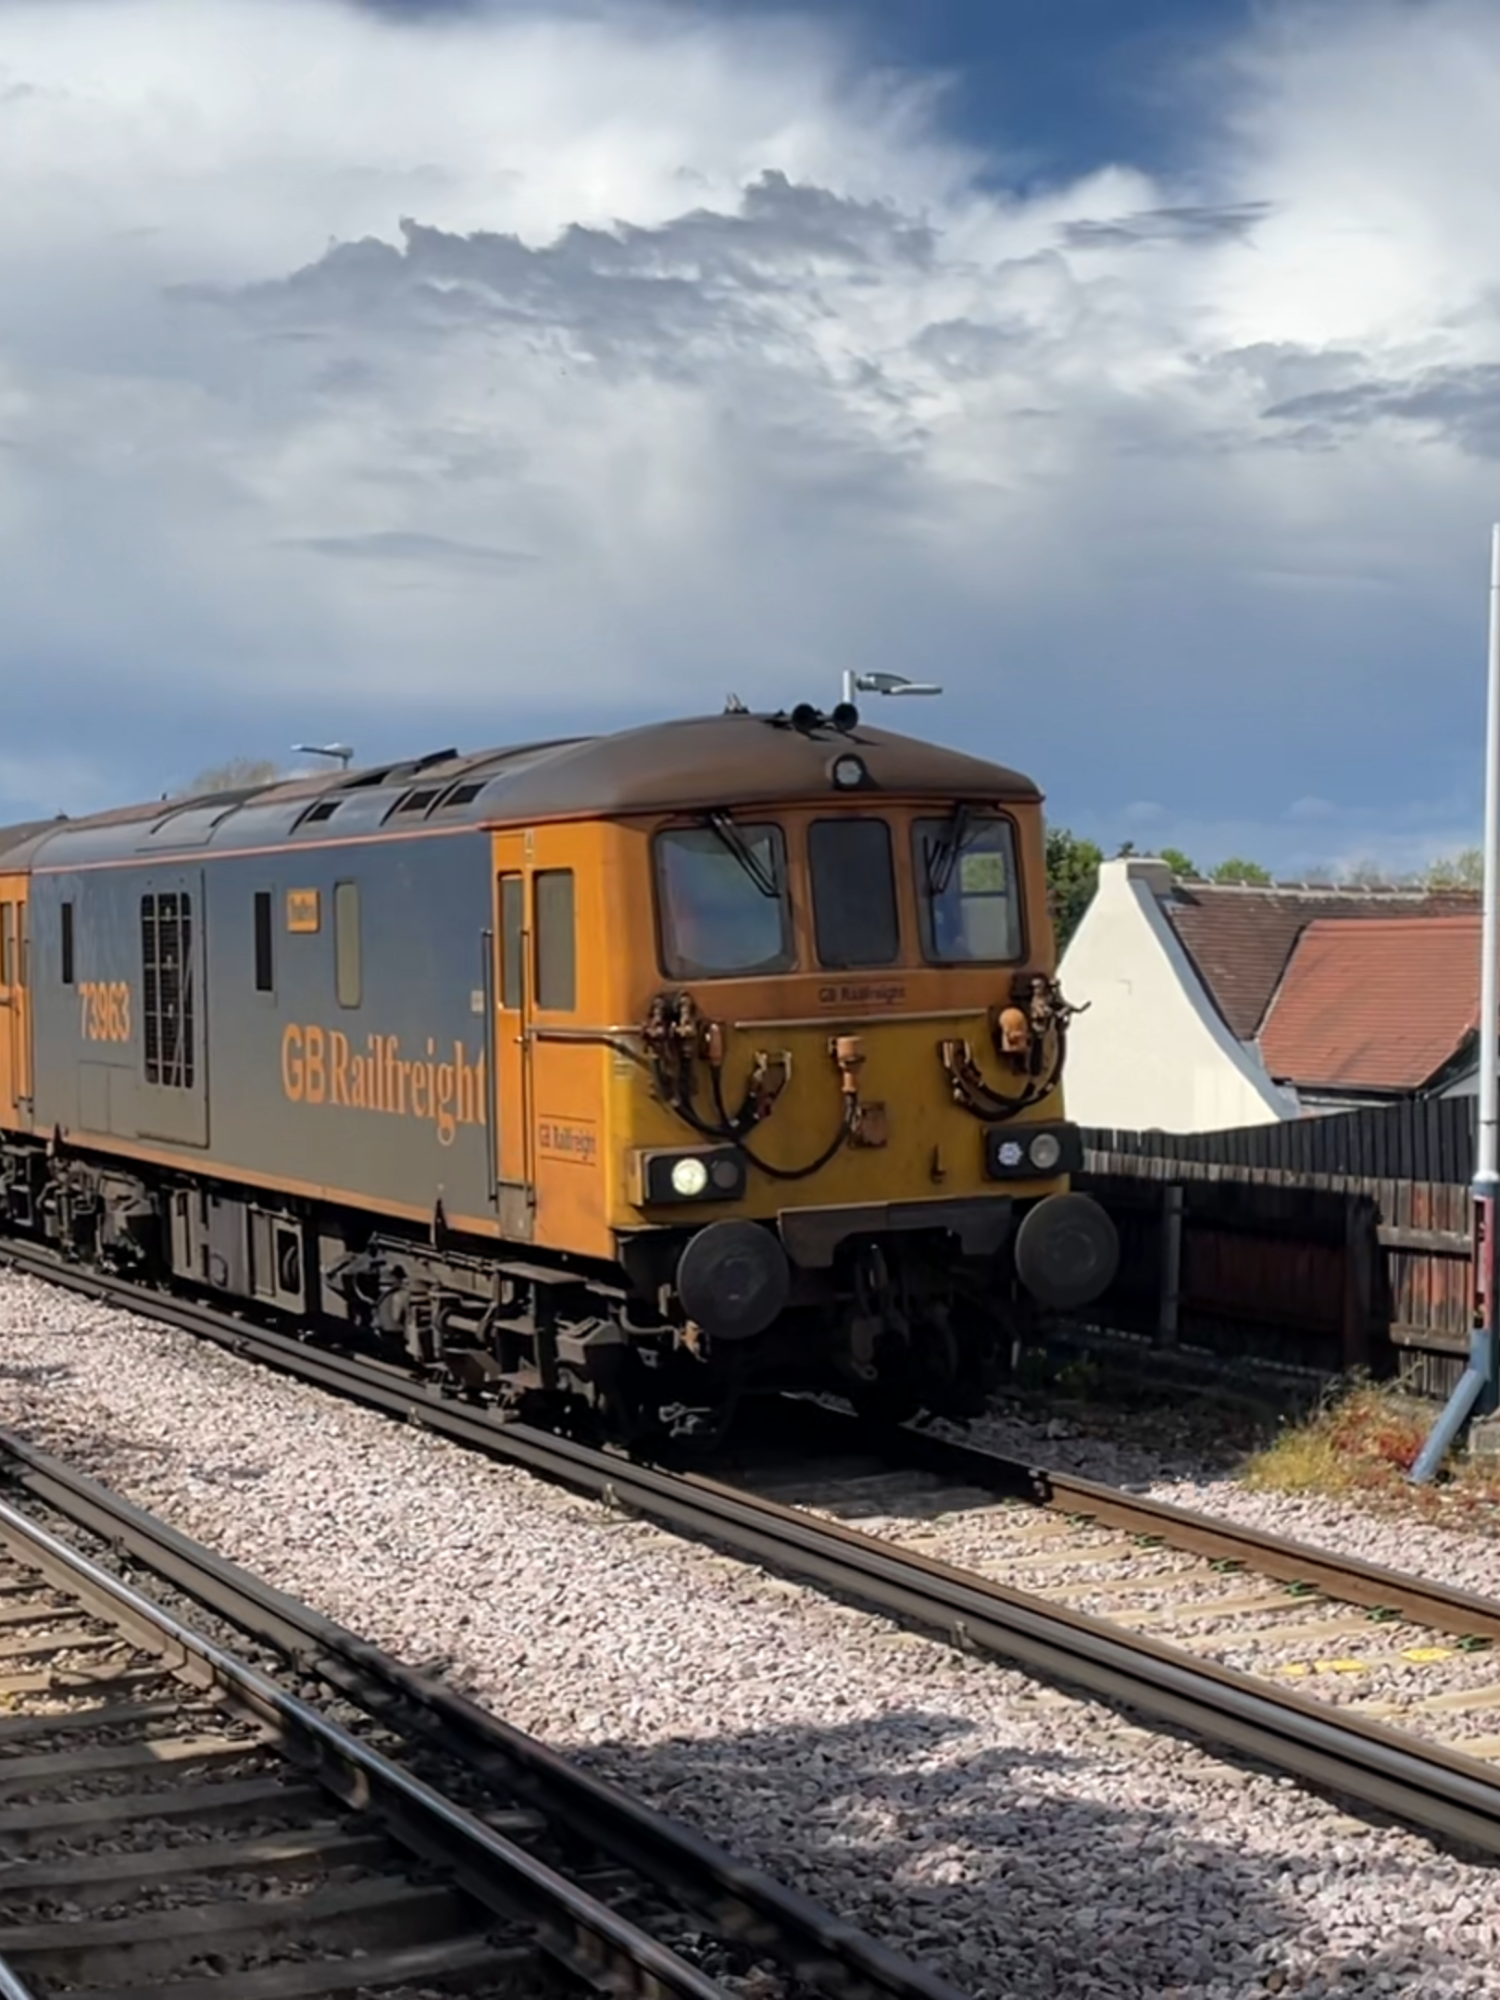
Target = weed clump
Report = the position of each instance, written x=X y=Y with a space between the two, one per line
x=1362 y=1442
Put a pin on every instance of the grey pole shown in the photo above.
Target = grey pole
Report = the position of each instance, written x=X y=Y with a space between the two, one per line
x=1477 y=1385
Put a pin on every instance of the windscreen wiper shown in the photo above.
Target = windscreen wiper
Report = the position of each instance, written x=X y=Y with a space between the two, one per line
x=941 y=855
x=762 y=876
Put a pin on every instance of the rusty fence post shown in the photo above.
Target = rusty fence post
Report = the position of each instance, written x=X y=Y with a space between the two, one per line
x=1361 y=1248
x=1171 y=1264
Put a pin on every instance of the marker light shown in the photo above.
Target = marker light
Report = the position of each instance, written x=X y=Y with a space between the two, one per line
x=1022 y=1152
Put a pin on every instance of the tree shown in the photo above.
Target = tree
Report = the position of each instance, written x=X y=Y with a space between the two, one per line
x=1237 y=870
x=1457 y=871
x=238 y=775
x=1366 y=874
x=1179 y=864
x=1072 y=877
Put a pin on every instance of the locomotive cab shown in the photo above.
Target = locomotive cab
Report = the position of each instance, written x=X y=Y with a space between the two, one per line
x=800 y=1080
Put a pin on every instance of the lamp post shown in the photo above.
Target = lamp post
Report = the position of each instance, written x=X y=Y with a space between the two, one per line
x=1478 y=1386
x=340 y=750
x=884 y=684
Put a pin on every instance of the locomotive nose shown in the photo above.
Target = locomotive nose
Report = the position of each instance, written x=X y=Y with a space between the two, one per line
x=1067 y=1251
x=733 y=1279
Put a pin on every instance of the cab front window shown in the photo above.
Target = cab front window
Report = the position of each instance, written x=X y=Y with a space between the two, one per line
x=723 y=900
x=853 y=893
x=967 y=889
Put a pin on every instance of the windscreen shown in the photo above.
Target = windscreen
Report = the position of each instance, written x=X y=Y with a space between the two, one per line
x=723 y=901
x=967 y=889
x=854 y=892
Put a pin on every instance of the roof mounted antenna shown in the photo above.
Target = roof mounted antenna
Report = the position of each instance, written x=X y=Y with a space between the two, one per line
x=341 y=751
x=734 y=706
x=883 y=684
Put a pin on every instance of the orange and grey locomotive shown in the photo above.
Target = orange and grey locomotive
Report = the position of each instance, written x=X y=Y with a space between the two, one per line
x=608 y=1077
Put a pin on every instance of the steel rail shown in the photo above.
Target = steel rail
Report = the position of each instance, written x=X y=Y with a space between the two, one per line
x=1348 y=1578
x=573 y=1927
x=12 y=1985
x=739 y=1901
x=1421 y=1600
x=1422 y=1784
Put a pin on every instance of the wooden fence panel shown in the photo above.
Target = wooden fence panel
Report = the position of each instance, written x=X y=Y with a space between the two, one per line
x=1321 y=1270
x=1427 y=1140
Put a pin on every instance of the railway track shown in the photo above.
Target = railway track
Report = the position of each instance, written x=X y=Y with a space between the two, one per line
x=1073 y=1544
x=189 y=1826
x=168 y=1815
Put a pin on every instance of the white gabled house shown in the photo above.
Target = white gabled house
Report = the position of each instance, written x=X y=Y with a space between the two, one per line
x=1216 y=1005
x=1152 y=1051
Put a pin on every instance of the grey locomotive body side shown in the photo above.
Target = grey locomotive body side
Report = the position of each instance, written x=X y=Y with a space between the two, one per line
x=313 y=1019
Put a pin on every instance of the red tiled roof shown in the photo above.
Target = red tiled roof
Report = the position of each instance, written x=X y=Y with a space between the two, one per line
x=1379 y=1005
x=1240 y=939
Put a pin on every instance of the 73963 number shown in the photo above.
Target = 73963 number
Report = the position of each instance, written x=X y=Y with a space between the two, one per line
x=106 y=1010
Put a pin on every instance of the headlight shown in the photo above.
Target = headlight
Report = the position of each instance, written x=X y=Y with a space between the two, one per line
x=689 y=1177
x=1046 y=1151
x=708 y=1173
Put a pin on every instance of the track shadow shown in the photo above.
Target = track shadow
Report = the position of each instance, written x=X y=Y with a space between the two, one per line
x=117 y=1458
x=987 y=1866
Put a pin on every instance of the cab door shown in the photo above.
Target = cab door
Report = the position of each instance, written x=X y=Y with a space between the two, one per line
x=15 y=1014
x=551 y=1045
x=514 y=1153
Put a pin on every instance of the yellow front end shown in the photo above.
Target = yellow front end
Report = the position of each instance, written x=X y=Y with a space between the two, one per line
x=917 y=1087
x=805 y=1094
x=909 y=1139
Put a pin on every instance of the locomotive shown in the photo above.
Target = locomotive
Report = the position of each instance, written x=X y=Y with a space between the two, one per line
x=605 y=1078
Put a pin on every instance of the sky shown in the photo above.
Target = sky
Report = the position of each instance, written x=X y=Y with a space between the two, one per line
x=427 y=374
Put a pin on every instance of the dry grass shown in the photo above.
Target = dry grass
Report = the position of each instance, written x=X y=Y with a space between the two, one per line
x=1362 y=1444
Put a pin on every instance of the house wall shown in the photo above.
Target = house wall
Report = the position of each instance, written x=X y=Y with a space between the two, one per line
x=1152 y=1052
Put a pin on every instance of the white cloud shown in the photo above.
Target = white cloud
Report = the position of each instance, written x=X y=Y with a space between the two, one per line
x=526 y=364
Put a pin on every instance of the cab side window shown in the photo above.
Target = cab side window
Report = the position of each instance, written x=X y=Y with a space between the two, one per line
x=556 y=941
x=512 y=927
x=265 y=964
